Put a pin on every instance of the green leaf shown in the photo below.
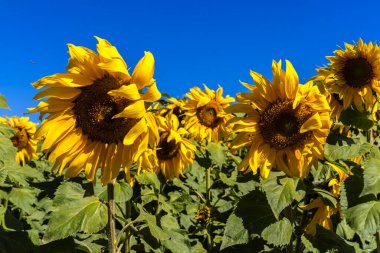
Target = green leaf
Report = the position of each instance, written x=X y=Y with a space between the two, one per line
x=150 y=220
x=217 y=153
x=371 y=175
x=355 y=118
x=279 y=233
x=344 y=230
x=280 y=191
x=365 y=217
x=87 y=214
x=327 y=241
x=23 y=198
x=326 y=196
x=255 y=211
x=68 y=192
x=3 y=102
x=234 y=233
x=148 y=178
x=123 y=192
x=345 y=151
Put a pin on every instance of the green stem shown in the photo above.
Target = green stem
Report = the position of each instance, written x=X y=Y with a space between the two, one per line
x=289 y=215
x=208 y=203
x=111 y=229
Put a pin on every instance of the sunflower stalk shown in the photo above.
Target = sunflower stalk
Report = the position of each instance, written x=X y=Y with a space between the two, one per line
x=208 y=199
x=111 y=229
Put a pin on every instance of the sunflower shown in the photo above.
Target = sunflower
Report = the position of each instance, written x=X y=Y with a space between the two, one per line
x=176 y=107
x=205 y=116
x=172 y=153
x=285 y=125
x=24 y=139
x=354 y=74
x=323 y=214
x=336 y=104
x=97 y=112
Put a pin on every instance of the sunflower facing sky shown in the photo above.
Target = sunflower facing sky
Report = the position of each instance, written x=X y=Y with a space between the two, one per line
x=286 y=123
x=205 y=116
x=353 y=74
x=172 y=153
x=97 y=112
x=23 y=139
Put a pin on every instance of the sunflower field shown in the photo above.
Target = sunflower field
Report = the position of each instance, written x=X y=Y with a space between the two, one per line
x=114 y=165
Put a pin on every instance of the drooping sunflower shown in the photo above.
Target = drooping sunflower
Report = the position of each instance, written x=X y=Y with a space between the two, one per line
x=286 y=123
x=354 y=75
x=205 y=115
x=172 y=153
x=23 y=139
x=97 y=112
x=176 y=107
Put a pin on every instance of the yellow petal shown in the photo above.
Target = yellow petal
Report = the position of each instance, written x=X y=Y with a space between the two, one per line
x=135 y=132
x=152 y=94
x=144 y=70
x=135 y=110
x=126 y=91
x=314 y=122
x=291 y=81
x=58 y=92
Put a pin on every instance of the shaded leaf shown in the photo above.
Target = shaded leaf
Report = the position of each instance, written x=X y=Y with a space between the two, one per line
x=278 y=233
x=355 y=118
x=235 y=232
x=371 y=175
x=365 y=217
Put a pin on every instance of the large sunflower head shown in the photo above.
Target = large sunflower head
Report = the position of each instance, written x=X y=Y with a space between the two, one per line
x=97 y=112
x=353 y=74
x=285 y=125
x=205 y=115
x=173 y=151
x=24 y=139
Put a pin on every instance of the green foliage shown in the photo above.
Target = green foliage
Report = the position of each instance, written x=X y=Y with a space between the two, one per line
x=3 y=102
x=279 y=233
x=352 y=117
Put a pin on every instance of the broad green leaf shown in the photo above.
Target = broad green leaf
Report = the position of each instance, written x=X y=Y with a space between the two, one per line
x=327 y=241
x=217 y=153
x=278 y=233
x=87 y=214
x=255 y=211
x=23 y=198
x=123 y=192
x=308 y=245
x=345 y=151
x=235 y=232
x=150 y=220
x=148 y=178
x=3 y=102
x=365 y=217
x=344 y=230
x=355 y=118
x=280 y=191
x=371 y=175
x=68 y=192
x=179 y=242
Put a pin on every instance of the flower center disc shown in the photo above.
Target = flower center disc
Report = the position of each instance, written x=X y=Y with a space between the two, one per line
x=94 y=110
x=20 y=139
x=207 y=115
x=280 y=124
x=167 y=150
x=357 y=72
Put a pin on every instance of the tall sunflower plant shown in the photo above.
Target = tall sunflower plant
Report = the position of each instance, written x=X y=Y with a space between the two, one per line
x=114 y=165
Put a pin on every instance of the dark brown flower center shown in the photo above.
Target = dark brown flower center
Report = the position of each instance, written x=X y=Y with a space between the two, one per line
x=166 y=150
x=280 y=124
x=357 y=72
x=177 y=111
x=94 y=110
x=20 y=139
x=208 y=114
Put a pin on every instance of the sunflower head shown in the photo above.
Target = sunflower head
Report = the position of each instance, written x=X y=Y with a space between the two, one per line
x=205 y=116
x=285 y=124
x=173 y=151
x=176 y=107
x=24 y=139
x=353 y=75
x=97 y=112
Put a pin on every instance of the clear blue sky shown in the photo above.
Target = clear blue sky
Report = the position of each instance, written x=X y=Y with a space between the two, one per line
x=194 y=42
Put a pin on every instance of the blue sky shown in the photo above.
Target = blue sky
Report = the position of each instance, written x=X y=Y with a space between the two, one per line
x=194 y=42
